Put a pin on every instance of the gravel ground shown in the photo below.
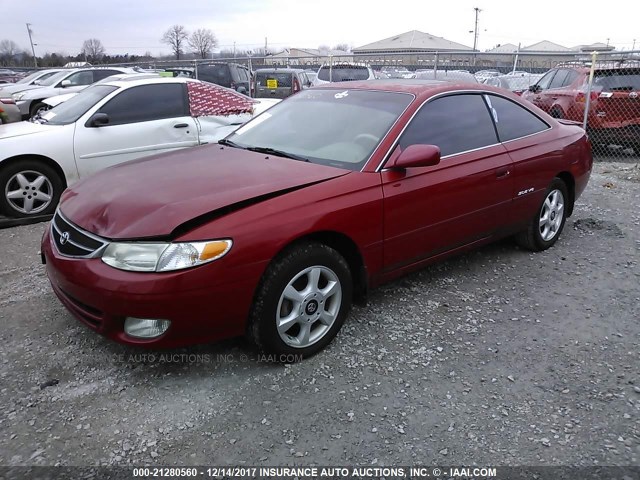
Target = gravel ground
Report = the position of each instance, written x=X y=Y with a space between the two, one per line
x=498 y=357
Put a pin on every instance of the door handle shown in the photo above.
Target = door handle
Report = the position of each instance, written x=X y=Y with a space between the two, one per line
x=554 y=98
x=181 y=125
x=503 y=172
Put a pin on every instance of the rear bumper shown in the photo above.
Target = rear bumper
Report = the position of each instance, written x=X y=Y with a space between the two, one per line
x=624 y=135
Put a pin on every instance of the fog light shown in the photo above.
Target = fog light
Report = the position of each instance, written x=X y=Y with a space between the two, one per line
x=145 y=327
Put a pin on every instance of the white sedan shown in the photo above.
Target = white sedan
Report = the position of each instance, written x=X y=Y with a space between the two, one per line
x=110 y=123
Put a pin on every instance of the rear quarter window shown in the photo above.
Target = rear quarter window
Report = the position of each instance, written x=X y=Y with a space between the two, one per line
x=512 y=120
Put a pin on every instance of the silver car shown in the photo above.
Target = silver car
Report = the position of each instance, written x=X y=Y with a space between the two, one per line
x=35 y=78
x=30 y=98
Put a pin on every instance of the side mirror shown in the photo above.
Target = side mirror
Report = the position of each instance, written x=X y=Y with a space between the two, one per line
x=98 y=120
x=417 y=156
x=65 y=83
x=534 y=88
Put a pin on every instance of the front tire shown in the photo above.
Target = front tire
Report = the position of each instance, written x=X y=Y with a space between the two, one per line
x=547 y=225
x=38 y=108
x=29 y=188
x=302 y=301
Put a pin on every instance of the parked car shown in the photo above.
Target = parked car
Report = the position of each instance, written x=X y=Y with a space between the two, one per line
x=515 y=83
x=344 y=72
x=231 y=75
x=448 y=75
x=111 y=123
x=311 y=75
x=8 y=76
x=58 y=99
x=29 y=99
x=279 y=82
x=484 y=74
x=9 y=111
x=340 y=188
x=398 y=72
x=614 y=112
x=34 y=78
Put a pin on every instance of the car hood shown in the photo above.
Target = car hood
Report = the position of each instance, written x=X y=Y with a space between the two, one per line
x=58 y=99
x=19 y=129
x=8 y=90
x=154 y=196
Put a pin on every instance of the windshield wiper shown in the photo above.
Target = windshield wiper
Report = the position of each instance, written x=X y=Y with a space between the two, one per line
x=229 y=143
x=279 y=153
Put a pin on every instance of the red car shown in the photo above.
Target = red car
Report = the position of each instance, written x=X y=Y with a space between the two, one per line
x=273 y=232
x=614 y=111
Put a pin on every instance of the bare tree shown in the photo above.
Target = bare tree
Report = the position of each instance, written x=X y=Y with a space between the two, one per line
x=324 y=49
x=175 y=38
x=8 y=51
x=342 y=46
x=8 y=48
x=202 y=41
x=92 y=50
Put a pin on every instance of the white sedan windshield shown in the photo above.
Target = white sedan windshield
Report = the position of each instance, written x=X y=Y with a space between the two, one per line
x=75 y=107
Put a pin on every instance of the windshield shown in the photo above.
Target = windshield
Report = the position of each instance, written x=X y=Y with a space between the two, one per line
x=53 y=79
x=344 y=73
x=328 y=126
x=75 y=107
x=28 y=79
x=618 y=80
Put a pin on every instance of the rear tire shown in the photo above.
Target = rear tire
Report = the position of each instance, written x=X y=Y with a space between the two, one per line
x=547 y=225
x=302 y=302
x=29 y=188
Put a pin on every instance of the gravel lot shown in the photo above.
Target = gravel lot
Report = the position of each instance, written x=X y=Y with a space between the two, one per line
x=498 y=357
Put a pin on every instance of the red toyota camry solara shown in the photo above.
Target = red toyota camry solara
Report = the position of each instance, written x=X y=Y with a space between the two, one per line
x=275 y=230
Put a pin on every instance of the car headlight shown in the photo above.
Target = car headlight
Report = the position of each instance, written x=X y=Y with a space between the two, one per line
x=18 y=96
x=163 y=257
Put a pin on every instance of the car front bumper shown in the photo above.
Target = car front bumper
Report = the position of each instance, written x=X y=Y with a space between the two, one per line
x=102 y=298
x=23 y=106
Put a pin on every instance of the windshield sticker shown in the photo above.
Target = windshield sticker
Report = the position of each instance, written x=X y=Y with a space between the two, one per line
x=342 y=94
x=256 y=121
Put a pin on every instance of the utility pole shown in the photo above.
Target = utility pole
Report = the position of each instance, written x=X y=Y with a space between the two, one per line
x=634 y=44
x=234 y=49
x=476 y=33
x=33 y=50
x=265 y=46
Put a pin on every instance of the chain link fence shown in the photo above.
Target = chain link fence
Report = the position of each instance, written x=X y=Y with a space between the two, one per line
x=600 y=90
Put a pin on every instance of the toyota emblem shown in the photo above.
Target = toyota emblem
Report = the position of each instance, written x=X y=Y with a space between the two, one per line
x=64 y=238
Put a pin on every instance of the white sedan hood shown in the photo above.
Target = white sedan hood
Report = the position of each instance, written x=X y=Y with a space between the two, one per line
x=58 y=99
x=19 y=129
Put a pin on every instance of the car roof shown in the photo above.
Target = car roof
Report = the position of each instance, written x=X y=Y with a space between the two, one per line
x=144 y=79
x=417 y=87
x=276 y=69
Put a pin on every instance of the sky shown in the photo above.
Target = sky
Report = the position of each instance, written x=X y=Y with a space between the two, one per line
x=136 y=26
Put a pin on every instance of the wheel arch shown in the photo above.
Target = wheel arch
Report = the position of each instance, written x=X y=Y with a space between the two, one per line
x=570 y=182
x=41 y=158
x=346 y=247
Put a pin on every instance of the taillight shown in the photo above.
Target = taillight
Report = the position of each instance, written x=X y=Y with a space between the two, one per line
x=581 y=97
x=7 y=101
x=296 y=85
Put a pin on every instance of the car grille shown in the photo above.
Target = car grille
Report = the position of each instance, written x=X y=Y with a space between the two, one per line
x=72 y=241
